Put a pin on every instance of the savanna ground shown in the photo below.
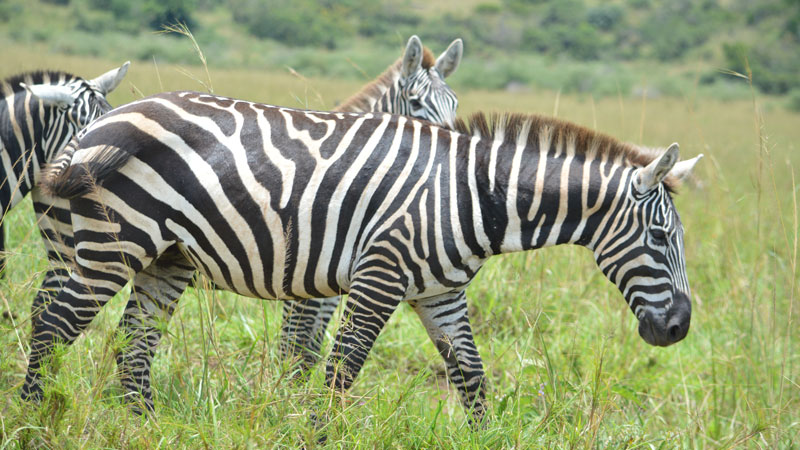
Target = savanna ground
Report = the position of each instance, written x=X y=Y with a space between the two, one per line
x=565 y=363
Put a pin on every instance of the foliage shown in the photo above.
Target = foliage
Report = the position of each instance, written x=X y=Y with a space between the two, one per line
x=605 y=17
x=133 y=16
x=303 y=34
x=794 y=100
x=774 y=67
x=296 y=22
x=10 y=9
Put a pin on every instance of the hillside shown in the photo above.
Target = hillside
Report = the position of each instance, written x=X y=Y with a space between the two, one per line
x=624 y=47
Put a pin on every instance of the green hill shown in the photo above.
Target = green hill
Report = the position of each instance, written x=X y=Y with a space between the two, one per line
x=622 y=47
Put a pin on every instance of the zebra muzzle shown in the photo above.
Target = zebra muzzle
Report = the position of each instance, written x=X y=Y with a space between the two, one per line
x=666 y=329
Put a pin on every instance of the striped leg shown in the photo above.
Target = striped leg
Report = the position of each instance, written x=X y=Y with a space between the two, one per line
x=2 y=245
x=54 y=280
x=105 y=261
x=55 y=227
x=63 y=320
x=374 y=295
x=447 y=322
x=303 y=329
x=156 y=290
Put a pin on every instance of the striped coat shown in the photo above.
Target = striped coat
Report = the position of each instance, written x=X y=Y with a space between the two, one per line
x=278 y=203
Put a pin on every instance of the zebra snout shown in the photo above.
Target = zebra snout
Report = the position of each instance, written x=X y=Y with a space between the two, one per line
x=666 y=329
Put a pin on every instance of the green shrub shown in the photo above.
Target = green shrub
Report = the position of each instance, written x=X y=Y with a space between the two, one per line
x=774 y=66
x=487 y=8
x=293 y=22
x=793 y=100
x=605 y=17
x=10 y=10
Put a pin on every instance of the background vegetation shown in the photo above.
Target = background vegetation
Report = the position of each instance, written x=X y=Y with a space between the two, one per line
x=566 y=366
x=586 y=46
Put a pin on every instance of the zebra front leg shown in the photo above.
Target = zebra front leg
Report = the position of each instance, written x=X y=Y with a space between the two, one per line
x=447 y=323
x=374 y=295
x=303 y=329
x=153 y=299
x=63 y=320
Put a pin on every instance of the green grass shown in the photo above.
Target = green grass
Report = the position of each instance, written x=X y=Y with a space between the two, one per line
x=565 y=363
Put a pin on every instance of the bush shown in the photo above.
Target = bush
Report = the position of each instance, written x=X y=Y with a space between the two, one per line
x=487 y=8
x=605 y=17
x=793 y=100
x=293 y=22
x=9 y=10
x=131 y=17
x=168 y=12
x=774 y=66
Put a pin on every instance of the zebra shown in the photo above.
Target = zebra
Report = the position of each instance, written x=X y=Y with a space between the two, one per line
x=279 y=203
x=39 y=113
x=414 y=86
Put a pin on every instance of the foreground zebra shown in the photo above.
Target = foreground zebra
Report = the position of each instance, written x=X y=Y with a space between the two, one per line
x=278 y=203
x=414 y=86
x=39 y=113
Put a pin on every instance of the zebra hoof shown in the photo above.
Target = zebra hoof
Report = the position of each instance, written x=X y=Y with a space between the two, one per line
x=318 y=423
x=33 y=395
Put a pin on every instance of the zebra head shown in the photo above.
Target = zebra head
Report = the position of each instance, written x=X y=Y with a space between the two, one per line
x=423 y=93
x=80 y=100
x=642 y=251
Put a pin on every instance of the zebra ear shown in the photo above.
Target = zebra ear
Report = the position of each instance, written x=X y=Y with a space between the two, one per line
x=50 y=94
x=111 y=79
x=412 y=58
x=448 y=62
x=683 y=169
x=649 y=177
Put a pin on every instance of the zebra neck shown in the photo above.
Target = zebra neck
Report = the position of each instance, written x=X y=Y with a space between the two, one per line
x=27 y=135
x=377 y=96
x=538 y=196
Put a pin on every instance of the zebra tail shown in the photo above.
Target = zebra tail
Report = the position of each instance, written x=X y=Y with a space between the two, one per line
x=63 y=178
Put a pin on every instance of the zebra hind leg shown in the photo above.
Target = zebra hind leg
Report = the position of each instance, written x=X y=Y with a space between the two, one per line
x=63 y=320
x=55 y=227
x=153 y=299
x=303 y=330
x=54 y=281
x=447 y=323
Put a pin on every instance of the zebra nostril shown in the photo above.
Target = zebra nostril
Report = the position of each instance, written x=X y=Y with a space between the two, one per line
x=674 y=333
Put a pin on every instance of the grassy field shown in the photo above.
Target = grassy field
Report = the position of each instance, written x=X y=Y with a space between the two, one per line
x=566 y=365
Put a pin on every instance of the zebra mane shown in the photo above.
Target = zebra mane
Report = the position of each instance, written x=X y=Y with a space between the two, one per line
x=360 y=101
x=11 y=85
x=591 y=143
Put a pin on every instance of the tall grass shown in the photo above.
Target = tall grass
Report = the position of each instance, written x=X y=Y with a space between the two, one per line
x=565 y=363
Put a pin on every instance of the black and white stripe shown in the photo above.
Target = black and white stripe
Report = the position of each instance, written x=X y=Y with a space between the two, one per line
x=39 y=113
x=414 y=86
x=279 y=203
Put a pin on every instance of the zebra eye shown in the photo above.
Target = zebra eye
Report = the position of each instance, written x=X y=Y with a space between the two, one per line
x=659 y=236
x=415 y=104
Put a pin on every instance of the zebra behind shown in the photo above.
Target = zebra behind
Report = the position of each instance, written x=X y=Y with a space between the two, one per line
x=413 y=86
x=39 y=113
x=278 y=203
